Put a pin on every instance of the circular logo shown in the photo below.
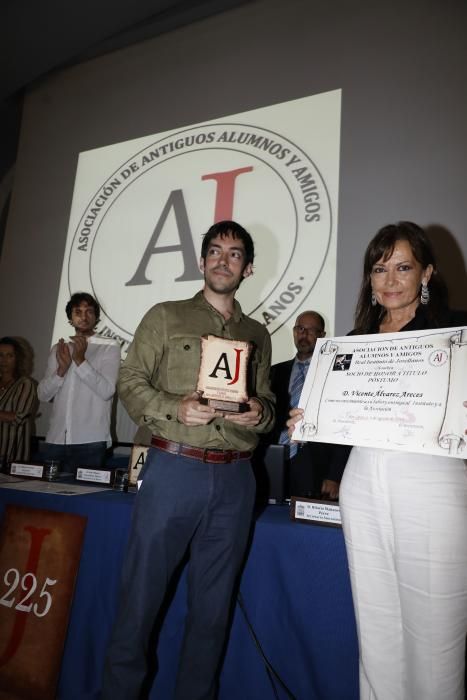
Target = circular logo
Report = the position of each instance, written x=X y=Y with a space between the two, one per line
x=138 y=239
x=438 y=358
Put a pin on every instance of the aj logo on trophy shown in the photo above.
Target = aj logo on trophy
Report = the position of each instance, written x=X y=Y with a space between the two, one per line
x=222 y=381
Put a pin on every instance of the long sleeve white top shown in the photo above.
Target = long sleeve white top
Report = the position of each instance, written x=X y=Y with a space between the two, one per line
x=82 y=398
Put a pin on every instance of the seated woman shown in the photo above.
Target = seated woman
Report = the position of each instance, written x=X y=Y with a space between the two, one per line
x=18 y=402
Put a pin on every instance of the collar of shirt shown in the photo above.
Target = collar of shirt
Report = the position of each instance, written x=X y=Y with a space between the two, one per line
x=200 y=300
x=301 y=363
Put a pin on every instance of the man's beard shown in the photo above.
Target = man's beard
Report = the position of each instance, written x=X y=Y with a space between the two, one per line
x=225 y=285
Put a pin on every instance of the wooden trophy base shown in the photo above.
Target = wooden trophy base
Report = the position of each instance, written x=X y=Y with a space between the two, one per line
x=226 y=406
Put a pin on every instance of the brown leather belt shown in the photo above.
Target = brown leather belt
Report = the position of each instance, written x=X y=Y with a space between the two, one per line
x=209 y=456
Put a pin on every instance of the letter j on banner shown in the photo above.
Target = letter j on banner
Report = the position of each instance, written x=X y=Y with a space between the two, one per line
x=39 y=558
x=140 y=208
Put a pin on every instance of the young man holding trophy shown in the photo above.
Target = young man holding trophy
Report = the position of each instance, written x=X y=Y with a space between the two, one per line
x=196 y=374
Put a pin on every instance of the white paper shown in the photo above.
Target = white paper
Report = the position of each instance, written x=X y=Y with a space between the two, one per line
x=401 y=391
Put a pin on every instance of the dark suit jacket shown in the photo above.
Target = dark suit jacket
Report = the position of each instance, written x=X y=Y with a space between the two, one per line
x=314 y=461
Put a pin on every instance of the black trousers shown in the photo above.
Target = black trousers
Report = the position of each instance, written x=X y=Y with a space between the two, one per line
x=305 y=475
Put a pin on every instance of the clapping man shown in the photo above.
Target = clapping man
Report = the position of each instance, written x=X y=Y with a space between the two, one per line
x=80 y=379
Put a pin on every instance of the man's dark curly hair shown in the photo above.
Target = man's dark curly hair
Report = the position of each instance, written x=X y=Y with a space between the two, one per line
x=77 y=299
x=229 y=228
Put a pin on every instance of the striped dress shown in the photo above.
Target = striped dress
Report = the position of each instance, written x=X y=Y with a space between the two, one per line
x=15 y=437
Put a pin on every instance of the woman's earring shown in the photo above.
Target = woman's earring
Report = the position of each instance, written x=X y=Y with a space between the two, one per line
x=425 y=293
x=373 y=299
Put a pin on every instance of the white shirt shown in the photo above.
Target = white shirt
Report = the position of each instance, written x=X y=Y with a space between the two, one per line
x=82 y=399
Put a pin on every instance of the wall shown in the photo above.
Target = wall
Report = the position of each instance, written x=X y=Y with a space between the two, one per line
x=402 y=68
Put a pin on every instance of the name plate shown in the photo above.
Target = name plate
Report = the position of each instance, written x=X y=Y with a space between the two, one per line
x=313 y=510
x=223 y=374
x=96 y=476
x=22 y=469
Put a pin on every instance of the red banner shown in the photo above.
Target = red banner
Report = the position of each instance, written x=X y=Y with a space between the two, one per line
x=39 y=559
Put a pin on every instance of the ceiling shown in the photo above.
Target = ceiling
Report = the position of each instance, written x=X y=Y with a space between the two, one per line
x=38 y=38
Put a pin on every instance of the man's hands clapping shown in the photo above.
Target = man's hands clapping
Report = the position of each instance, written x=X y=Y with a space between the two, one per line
x=80 y=344
x=65 y=357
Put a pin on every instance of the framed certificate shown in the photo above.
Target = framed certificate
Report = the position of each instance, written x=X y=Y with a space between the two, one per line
x=401 y=391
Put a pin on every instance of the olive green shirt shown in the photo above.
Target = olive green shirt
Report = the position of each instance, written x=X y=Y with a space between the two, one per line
x=162 y=367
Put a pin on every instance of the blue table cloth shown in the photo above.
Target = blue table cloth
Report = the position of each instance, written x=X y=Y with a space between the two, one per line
x=294 y=587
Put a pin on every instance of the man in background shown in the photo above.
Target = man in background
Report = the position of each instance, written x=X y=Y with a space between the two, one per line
x=80 y=379
x=310 y=466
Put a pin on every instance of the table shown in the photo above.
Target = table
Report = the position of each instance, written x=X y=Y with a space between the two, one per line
x=294 y=586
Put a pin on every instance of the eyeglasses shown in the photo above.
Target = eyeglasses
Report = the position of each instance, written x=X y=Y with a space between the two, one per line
x=306 y=329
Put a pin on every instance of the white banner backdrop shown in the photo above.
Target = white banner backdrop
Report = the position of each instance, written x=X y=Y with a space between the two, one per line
x=140 y=209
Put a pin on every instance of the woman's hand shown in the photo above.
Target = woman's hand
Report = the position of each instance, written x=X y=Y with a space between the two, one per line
x=295 y=415
x=7 y=416
x=330 y=489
